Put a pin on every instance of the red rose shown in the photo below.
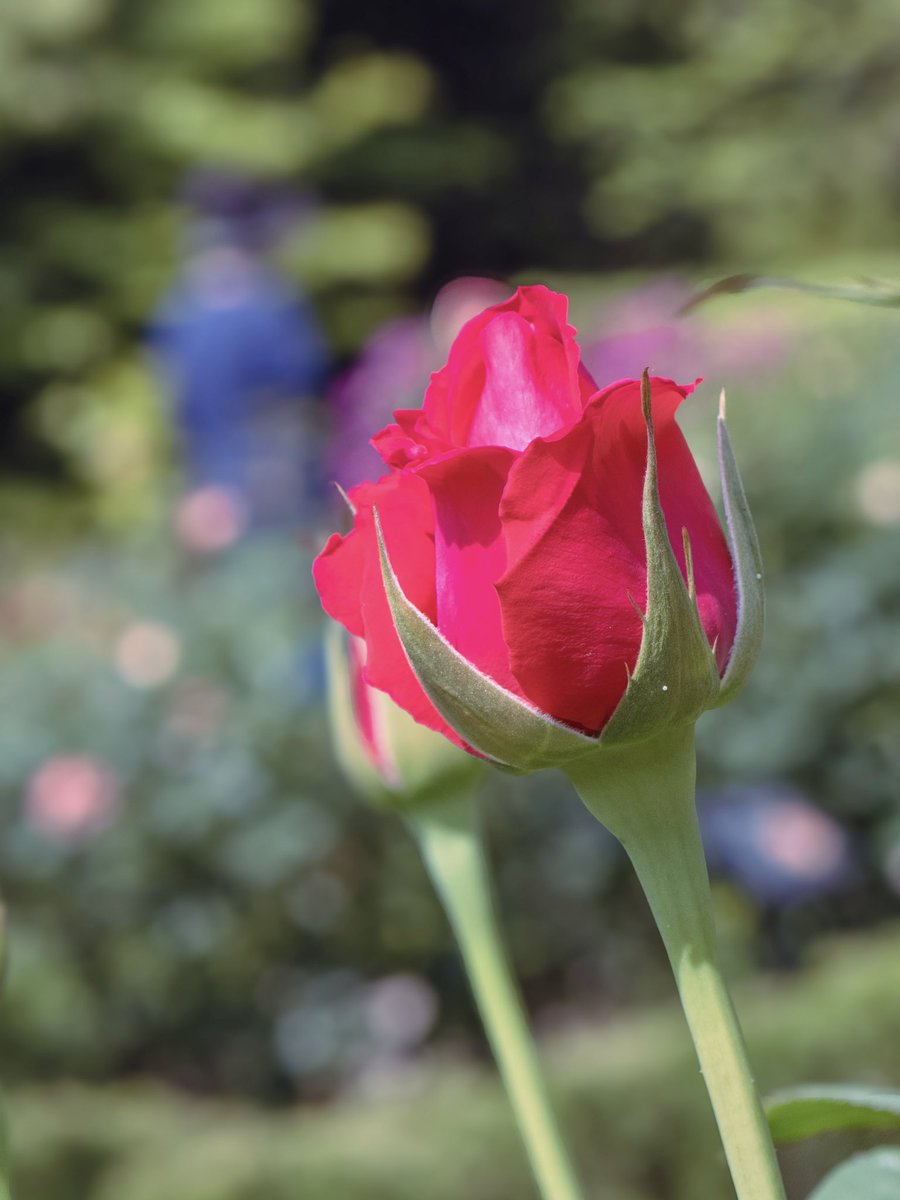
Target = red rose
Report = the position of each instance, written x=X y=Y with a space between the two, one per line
x=512 y=517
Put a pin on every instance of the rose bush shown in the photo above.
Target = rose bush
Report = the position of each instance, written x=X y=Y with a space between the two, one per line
x=512 y=516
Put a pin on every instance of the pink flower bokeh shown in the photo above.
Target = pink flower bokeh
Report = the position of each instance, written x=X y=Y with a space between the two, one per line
x=72 y=797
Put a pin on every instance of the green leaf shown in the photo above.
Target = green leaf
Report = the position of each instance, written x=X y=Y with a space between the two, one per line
x=872 y=1176
x=675 y=678
x=748 y=572
x=493 y=720
x=881 y=293
x=804 y=1112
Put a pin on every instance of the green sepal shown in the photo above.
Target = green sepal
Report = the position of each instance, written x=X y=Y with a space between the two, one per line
x=675 y=678
x=496 y=722
x=871 y=1176
x=748 y=572
x=419 y=764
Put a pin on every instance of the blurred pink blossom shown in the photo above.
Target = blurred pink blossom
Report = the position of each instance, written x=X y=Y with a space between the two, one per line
x=400 y=1011
x=878 y=491
x=458 y=302
x=210 y=519
x=31 y=608
x=72 y=797
x=642 y=328
x=802 y=840
x=147 y=654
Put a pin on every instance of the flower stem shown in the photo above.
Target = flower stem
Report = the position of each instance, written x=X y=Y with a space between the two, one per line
x=644 y=794
x=448 y=835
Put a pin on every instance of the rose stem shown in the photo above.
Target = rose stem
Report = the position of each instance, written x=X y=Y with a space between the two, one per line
x=644 y=794
x=449 y=838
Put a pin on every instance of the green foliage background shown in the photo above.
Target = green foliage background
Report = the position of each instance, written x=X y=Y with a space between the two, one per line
x=489 y=138
x=631 y=1099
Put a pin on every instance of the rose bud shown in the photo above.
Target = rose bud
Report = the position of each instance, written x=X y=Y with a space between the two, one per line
x=542 y=578
x=389 y=758
x=542 y=572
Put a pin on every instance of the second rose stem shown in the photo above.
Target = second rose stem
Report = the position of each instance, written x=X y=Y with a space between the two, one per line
x=450 y=842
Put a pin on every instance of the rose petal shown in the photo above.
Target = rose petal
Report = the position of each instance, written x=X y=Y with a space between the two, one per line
x=571 y=515
x=569 y=626
x=528 y=390
x=514 y=373
x=397 y=448
x=348 y=577
x=363 y=710
x=470 y=555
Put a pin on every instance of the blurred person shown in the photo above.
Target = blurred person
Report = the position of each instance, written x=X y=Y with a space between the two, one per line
x=242 y=358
